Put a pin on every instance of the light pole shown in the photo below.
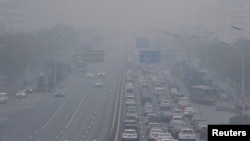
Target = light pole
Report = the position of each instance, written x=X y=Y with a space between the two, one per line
x=243 y=69
x=45 y=45
x=46 y=63
x=242 y=74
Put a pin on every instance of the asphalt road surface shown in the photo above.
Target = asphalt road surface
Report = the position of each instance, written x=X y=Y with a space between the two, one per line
x=84 y=113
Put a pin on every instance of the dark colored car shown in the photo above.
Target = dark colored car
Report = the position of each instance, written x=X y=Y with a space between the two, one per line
x=28 y=90
x=59 y=93
x=203 y=133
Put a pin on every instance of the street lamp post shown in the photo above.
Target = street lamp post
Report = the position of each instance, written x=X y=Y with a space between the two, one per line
x=243 y=69
x=242 y=73
x=46 y=64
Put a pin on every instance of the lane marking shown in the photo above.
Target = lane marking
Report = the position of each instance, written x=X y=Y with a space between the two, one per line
x=77 y=109
x=54 y=115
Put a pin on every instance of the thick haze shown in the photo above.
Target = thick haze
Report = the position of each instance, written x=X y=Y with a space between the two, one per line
x=127 y=15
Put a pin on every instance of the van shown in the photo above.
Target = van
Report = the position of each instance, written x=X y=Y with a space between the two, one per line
x=3 y=97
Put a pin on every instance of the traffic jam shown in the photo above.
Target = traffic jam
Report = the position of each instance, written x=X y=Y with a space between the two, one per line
x=155 y=108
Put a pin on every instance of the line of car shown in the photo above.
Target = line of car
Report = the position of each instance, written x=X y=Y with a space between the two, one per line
x=165 y=115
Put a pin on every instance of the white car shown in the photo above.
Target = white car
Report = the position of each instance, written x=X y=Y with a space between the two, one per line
x=21 y=93
x=3 y=97
x=187 y=134
x=154 y=133
x=130 y=135
x=132 y=112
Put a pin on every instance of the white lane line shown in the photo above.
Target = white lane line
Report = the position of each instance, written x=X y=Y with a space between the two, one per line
x=53 y=116
x=91 y=122
x=77 y=109
x=36 y=132
x=89 y=127
x=61 y=132
x=87 y=132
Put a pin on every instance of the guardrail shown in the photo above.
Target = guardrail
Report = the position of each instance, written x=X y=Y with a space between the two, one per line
x=117 y=112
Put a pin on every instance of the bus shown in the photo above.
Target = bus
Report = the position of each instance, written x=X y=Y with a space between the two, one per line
x=203 y=94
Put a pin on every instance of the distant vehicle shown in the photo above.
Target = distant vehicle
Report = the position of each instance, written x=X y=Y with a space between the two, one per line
x=224 y=97
x=152 y=118
x=166 y=115
x=162 y=136
x=175 y=128
x=130 y=119
x=145 y=98
x=129 y=88
x=21 y=93
x=132 y=126
x=101 y=74
x=59 y=93
x=203 y=94
x=187 y=134
x=98 y=84
x=132 y=113
x=159 y=91
x=183 y=104
x=89 y=75
x=130 y=135
x=203 y=132
x=154 y=133
x=189 y=111
x=28 y=89
x=178 y=112
x=130 y=102
x=3 y=97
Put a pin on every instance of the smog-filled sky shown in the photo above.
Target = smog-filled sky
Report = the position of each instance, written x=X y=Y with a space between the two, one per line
x=123 y=14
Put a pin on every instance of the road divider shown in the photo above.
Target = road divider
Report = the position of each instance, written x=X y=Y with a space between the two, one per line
x=117 y=112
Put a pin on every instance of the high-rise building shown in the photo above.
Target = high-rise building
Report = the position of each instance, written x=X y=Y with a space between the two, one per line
x=12 y=15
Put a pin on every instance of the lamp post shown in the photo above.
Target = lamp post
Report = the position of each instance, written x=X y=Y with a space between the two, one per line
x=243 y=68
x=46 y=63
x=242 y=73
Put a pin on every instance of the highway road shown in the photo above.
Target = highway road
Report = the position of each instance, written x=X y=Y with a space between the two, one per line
x=209 y=112
x=84 y=113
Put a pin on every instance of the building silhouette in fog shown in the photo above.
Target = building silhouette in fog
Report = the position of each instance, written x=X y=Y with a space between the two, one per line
x=12 y=16
x=232 y=13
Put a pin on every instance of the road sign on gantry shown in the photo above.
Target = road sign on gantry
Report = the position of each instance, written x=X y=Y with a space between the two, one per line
x=149 y=56
x=86 y=56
